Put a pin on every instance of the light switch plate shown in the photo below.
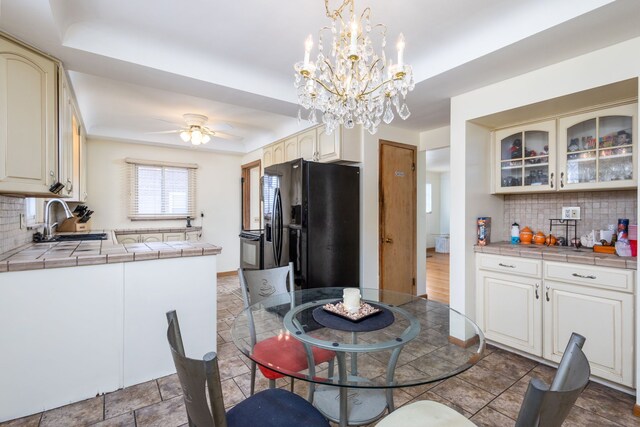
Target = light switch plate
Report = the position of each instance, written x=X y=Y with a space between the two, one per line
x=570 y=212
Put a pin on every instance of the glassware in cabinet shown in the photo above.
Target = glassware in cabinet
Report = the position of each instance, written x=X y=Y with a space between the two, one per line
x=525 y=158
x=598 y=149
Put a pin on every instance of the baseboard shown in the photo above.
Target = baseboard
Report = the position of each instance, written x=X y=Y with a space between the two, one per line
x=227 y=273
x=464 y=343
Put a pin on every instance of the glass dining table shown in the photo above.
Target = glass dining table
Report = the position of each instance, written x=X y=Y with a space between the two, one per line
x=408 y=341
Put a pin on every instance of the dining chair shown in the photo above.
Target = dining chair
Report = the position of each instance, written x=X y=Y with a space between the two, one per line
x=543 y=405
x=283 y=351
x=204 y=402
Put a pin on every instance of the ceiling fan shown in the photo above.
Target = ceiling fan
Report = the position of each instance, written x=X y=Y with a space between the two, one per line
x=198 y=133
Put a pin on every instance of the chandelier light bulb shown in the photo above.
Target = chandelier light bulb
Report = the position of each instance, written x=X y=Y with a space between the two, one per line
x=354 y=36
x=185 y=136
x=206 y=138
x=400 y=46
x=308 y=45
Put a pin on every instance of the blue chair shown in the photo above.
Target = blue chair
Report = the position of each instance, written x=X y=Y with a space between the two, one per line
x=269 y=408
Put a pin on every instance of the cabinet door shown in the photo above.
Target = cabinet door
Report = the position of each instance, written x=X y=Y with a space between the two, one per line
x=525 y=158
x=267 y=156
x=128 y=238
x=151 y=238
x=291 y=149
x=597 y=150
x=509 y=310
x=28 y=121
x=329 y=145
x=307 y=146
x=83 y=190
x=193 y=236
x=278 y=153
x=604 y=317
x=173 y=237
x=65 y=136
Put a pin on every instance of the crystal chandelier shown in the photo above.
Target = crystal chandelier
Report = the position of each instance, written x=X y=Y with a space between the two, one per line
x=350 y=83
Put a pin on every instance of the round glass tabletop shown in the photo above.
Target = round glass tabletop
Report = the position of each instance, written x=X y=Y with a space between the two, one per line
x=410 y=341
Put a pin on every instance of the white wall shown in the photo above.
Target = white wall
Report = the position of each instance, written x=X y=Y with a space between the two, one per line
x=469 y=142
x=217 y=192
x=433 y=219
x=369 y=234
x=435 y=138
x=445 y=202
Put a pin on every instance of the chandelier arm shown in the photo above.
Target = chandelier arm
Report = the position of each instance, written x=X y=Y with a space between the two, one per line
x=376 y=88
x=324 y=86
x=338 y=11
x=333 y=80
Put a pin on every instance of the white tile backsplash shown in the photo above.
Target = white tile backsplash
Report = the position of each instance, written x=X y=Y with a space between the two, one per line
x=11 y=236
x=598 y=209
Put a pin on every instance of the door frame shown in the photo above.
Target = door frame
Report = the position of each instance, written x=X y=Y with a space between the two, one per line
x=414 y=215
x=246 y=193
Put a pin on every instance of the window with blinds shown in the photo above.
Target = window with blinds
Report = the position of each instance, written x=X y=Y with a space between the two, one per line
x=161 y=190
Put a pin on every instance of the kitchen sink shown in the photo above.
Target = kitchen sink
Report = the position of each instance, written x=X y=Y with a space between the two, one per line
x=72 y=237
x=75 y=237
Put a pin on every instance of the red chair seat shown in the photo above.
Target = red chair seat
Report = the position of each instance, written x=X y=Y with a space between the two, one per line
x=286 y=353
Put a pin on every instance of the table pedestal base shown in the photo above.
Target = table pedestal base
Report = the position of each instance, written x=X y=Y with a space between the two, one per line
x=364 y=405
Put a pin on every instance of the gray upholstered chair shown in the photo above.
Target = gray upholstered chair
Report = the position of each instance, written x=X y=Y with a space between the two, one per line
x=292 y=355
x=543 y=406
x=269 y=408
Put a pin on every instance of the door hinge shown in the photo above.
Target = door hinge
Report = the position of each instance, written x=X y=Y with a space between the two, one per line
x=414 y=282
x=413 y=167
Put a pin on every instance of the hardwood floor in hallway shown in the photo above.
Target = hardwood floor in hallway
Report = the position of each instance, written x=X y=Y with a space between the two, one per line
x=438 y=276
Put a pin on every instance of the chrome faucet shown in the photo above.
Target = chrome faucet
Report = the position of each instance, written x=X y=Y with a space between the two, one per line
x=48 y=228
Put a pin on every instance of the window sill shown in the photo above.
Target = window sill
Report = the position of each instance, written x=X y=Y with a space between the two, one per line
x=159 y=218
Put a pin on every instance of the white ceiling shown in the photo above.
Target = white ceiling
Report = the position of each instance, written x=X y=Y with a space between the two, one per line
x=136 y=65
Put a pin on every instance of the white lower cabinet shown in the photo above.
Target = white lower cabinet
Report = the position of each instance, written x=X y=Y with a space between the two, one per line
x=538 y=314
x=510 y=310
x=604 y=317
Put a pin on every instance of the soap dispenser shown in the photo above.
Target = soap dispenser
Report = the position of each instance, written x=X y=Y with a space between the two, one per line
x=515 y=233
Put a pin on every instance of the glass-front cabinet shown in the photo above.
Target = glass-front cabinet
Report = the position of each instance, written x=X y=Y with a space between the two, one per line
x=597 y=150
x=525 y=158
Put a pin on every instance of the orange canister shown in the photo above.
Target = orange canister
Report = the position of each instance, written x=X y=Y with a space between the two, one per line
x=539 y=238
x=526 y=235
x=551 y=240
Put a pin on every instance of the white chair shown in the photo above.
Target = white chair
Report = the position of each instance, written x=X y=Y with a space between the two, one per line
x=543 y=406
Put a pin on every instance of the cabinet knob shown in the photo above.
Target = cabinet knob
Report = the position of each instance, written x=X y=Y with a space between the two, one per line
x=583 y=277
x=537 y=287
x=561 y=179
x=547 y=294
x=551 y=180
x=388 y=240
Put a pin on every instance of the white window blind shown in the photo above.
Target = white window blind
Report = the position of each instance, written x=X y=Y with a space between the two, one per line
x=161 y=190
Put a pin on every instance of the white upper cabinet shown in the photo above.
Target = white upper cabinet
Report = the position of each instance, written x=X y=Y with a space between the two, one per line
x=267 y=156
x=291 y=149
x=597 y=150
x=525 y=157
x=28 y=120
x=307 y=145
x=278 y=153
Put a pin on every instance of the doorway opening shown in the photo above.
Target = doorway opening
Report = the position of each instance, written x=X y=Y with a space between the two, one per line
x=437 y=188
x=251 y=215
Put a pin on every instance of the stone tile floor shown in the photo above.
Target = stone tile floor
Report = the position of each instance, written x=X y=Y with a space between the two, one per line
x=489 y=393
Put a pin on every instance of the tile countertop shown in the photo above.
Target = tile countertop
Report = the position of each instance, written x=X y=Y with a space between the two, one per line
x=36 y=256
x=558 y=253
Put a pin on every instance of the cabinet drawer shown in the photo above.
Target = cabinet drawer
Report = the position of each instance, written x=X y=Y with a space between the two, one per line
x=173 y=237
x=511 y=265
x=590 y=275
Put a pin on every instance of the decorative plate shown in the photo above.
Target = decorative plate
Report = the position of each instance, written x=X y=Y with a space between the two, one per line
x=339 y=309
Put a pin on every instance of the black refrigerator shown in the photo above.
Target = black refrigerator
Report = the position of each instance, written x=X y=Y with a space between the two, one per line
x=312 y=218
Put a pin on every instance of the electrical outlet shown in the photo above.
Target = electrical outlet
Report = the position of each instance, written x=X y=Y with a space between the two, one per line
x=570 y=212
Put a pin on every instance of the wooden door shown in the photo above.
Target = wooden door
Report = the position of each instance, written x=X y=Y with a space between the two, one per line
x=397 y=223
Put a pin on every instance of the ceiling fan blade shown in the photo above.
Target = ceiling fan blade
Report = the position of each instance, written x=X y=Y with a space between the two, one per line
x=220 y=126
x=165 y=131
x=224 y=135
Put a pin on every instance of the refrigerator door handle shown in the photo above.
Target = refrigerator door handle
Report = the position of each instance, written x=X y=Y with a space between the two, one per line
x=277 y=236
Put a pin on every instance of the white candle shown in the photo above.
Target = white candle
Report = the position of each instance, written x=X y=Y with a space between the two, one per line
x=308 y=44
x=354 y=37
x=400 y=47
x=351 y=297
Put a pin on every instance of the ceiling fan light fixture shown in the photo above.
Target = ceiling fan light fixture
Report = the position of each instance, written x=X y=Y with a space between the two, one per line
x=206 y=138
x=185 y=136
x=196 y=137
